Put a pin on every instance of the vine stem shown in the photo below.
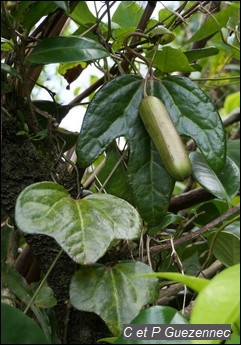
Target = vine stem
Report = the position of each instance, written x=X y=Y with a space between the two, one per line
x=43 y=281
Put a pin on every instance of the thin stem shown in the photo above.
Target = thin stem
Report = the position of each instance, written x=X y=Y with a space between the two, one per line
x=43 y=281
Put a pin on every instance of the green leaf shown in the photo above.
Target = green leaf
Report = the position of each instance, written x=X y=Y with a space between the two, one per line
x=62 y=4
x=17 y=285
x=33 y=13
x=214 y=24
x=233 y=151
x=112 y=292
x=128 y=14
x=232 y=102
x=67 y=49
x=224 y=184
x=10 y=70
x=170 y=60
x=208 y=211
x=45 y=297
x=196 y=284
x=156 y=315
x=235 y=339
x=226 y=247
x=18 y=328
x=82 y=15
x=84 y=228
x=113 y=112
x=214 y=305
x=119 y=35
x=168 y=219
x=195 y=116
x=196 y=54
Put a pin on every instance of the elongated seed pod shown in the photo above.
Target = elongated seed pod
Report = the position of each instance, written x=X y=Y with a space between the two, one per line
x=165 y=137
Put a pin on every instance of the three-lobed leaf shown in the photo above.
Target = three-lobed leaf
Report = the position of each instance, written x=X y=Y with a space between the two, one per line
x=113 y=112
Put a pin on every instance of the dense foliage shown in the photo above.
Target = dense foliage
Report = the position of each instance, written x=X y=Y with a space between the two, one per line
x=108 y=236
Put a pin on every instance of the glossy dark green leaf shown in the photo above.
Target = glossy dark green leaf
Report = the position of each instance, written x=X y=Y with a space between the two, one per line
x=18 y=328
x=226 y=248
x=156 y=315
x=214 y=24
x=223 y=184
x=169 y=60
x=196 y=54
x=233 y=151
x=113 y=112
x=194 y=116
x=84 y=228
x=128 y=14
x=67 y=49
x=113 y=292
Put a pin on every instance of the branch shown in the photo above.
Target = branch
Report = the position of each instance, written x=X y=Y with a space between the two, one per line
x=195 y=234
x=188 y=199
x=125 y=64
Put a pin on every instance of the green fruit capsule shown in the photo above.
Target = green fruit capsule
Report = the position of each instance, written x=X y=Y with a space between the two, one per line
x=165 y=137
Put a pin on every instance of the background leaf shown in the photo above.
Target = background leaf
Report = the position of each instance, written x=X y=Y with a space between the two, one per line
x=226 y=247
x=196 y=54
x=128 y=14
x=18 y=328
x=113 y=292
x=156 y=315
x=224 y=184
x=214 y=24
x=67 y=49
x=169 y=60
x=84 y=228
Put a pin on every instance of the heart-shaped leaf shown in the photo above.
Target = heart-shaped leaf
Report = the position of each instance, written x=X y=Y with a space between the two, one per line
x=223 y=184
x=113 y=112
x=114 y=293
x=67 y=49
x=84 y=228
